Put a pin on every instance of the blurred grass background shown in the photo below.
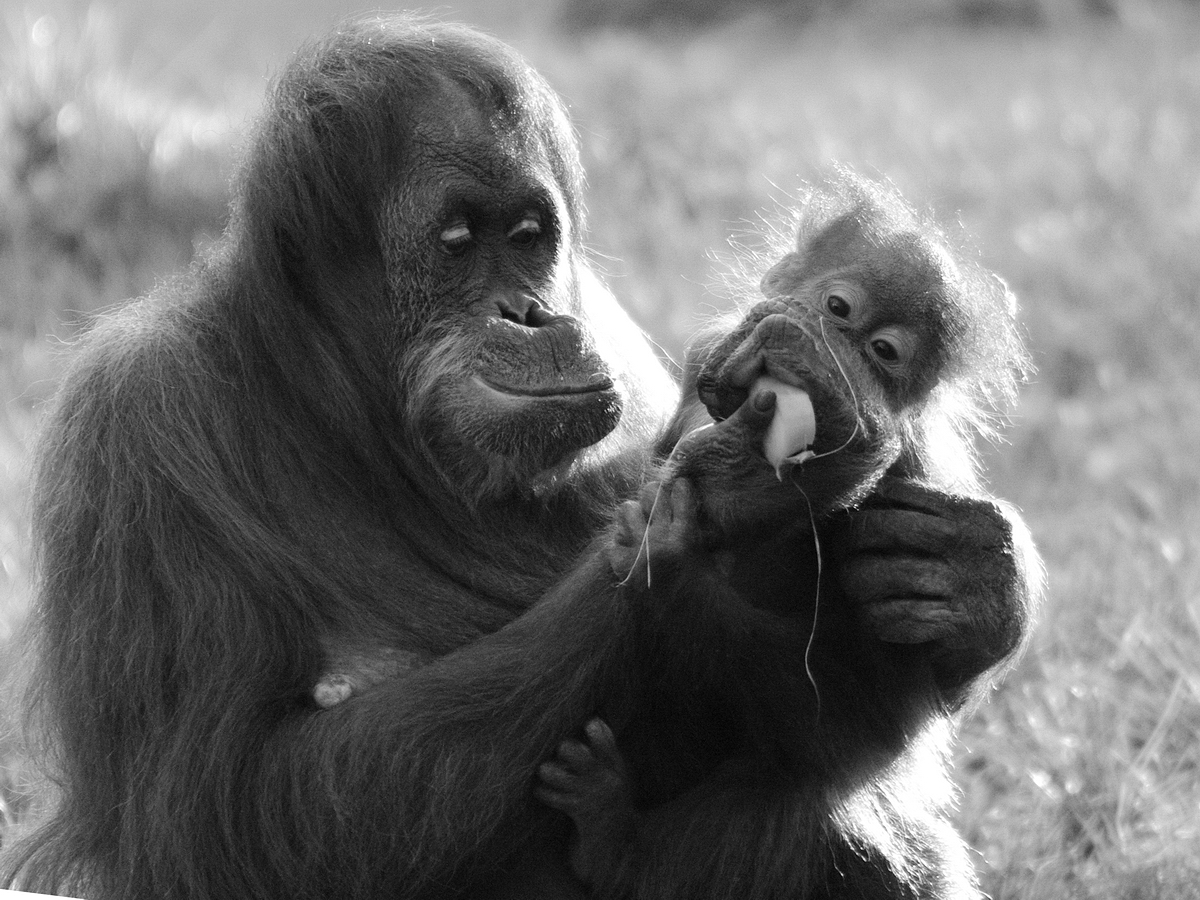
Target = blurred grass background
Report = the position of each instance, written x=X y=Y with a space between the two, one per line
x=1063 y=134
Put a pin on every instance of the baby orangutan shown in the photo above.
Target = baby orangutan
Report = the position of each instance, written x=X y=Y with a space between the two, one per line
x=788 y=739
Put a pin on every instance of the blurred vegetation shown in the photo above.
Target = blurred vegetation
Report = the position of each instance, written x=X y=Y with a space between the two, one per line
x=98 y=185
x=1065 y=136
x=643 y=14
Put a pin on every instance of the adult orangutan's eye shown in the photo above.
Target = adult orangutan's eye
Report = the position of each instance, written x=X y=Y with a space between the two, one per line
x=456 y=238
x=526 y=232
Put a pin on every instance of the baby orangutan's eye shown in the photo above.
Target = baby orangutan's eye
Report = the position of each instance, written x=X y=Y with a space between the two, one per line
x=892 y=348
x=838 y=305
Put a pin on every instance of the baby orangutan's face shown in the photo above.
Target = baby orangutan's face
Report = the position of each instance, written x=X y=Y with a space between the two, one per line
x=815 y=428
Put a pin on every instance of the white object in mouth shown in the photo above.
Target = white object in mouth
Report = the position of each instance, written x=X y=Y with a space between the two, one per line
x=793 y=427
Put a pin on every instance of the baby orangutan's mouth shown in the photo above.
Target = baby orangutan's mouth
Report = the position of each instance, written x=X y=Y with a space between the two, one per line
x=793 y=427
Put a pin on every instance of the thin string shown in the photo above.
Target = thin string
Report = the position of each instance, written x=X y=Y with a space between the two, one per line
x=812 y=517
x=644 y=546
x=812 y=635
x=853 y=400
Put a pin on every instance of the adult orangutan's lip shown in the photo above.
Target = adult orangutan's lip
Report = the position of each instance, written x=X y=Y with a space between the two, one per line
x=597 y=383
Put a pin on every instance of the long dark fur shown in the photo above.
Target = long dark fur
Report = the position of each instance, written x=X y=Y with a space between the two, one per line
x=231 y=475
x=228 y=474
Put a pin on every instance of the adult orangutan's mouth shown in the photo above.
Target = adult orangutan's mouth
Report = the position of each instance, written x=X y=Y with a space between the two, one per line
x=596 y=384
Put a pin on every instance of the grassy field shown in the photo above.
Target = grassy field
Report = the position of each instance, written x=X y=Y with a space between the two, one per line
x=1069 y=150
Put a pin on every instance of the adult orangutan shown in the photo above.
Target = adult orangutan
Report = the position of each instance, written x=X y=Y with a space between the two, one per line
x=390 y=408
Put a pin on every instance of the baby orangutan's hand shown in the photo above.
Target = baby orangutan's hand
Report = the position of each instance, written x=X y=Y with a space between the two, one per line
x=657 y=531
x=588 y=781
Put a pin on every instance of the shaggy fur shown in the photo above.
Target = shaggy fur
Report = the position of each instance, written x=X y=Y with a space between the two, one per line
x=348 y=428
x=789 y=737
x=231 y=482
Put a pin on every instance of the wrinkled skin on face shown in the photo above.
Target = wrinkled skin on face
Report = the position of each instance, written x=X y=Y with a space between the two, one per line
x=512 y=383
x=857 y=434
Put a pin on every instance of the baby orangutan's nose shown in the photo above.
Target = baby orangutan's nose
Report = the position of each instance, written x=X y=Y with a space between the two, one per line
x=780 y=345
